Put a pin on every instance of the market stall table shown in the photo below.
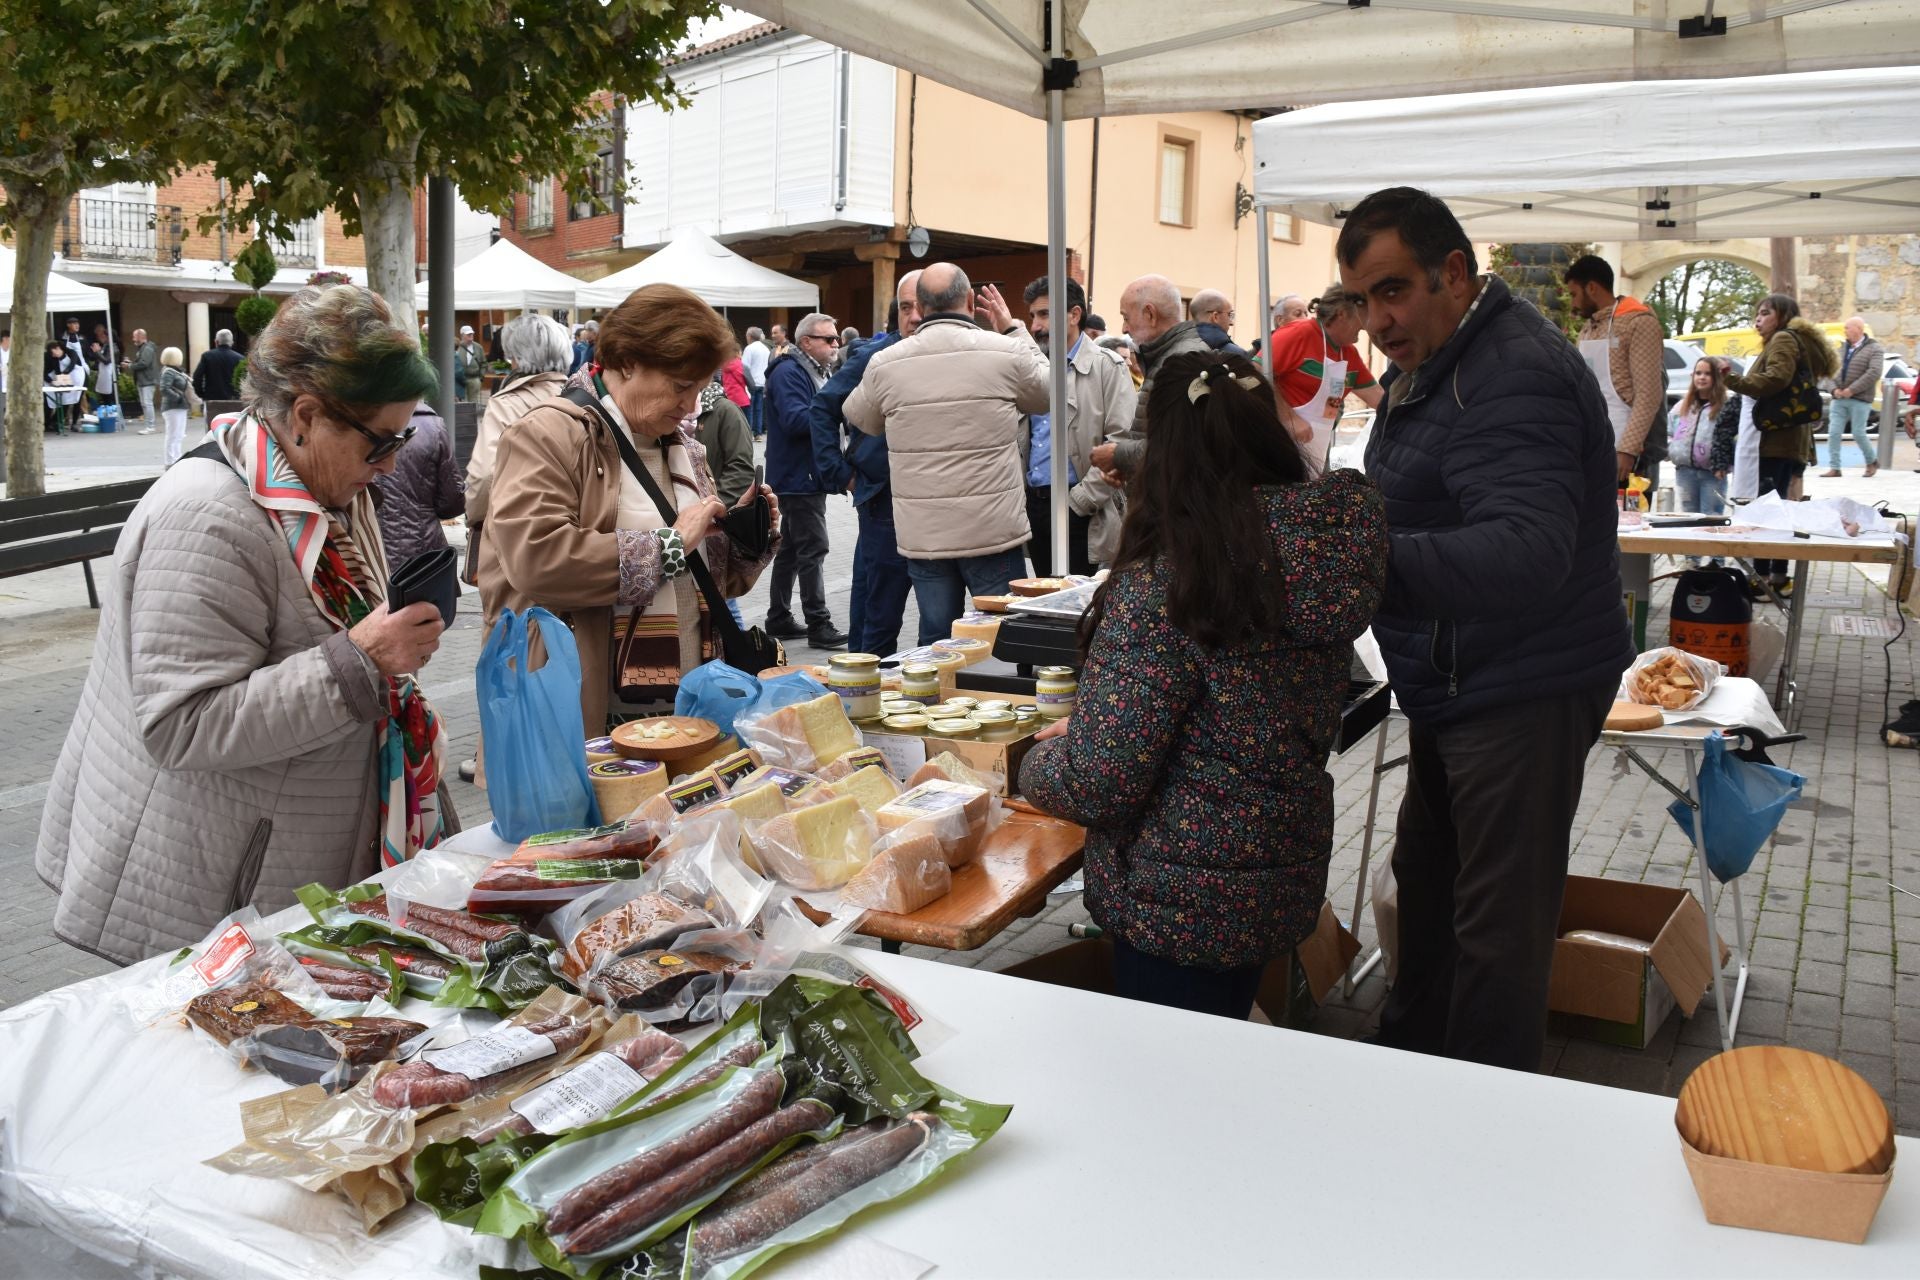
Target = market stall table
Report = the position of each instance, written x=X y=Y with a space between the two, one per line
x=61 y=399
x=1750 y=544
x=1025 y=858
x=1192 y=1146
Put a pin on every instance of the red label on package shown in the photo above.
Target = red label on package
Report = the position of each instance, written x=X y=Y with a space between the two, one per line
x=908 y=1015
x=225 y=954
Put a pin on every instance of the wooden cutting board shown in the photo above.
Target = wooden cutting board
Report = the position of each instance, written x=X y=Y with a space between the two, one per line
x=1631 y=717
x=689 y=737
x=1773 y=1105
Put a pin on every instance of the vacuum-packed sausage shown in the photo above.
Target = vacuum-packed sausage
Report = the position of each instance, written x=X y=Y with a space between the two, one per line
x=672 y=1191
x=793 y=1164
x=462 y=944
x=421 y=1084
x=839 y=1168
x=598 y=1193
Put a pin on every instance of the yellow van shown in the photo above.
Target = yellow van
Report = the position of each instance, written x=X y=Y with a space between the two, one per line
x=1745 y=343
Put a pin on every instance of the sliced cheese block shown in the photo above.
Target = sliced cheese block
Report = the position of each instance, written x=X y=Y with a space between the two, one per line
x=687 y=795
x=946 y=767
x=814 y=793
x=819 y=847
x=816 y=732
x=790 y=781
x=858 y=758
x=754 y=804
x=904 y=876
x=871 y=786
x=977 y=626
x=953 y=812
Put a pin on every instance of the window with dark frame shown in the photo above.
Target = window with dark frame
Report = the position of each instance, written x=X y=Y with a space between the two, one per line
x=603 y=191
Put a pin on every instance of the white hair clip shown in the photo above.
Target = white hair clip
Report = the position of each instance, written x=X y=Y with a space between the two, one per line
x=1198 y=387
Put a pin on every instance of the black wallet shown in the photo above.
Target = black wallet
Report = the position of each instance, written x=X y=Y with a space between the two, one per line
x=751 y=526
x=433 y=577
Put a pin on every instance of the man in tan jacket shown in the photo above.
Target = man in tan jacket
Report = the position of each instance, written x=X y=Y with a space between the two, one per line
x=1623 y=344
x=949 y=401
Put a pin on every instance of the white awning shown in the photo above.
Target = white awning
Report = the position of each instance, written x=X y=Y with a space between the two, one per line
x=62 y=294
x=1148 y=55
x=508 y=278
x=1821 y=153
x=697 y=262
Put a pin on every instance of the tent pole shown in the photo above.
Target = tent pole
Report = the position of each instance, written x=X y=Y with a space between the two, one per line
x=113 y=352
x=1262 y=251
x=1057 y=292
x=440 y=291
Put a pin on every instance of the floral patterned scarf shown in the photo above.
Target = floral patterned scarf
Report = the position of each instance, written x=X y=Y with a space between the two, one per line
x=347 y=576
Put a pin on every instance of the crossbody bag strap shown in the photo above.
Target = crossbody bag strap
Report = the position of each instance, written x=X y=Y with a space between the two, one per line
x=716 y=602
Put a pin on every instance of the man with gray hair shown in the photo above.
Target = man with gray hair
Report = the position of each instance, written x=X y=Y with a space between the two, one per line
x=539 y=350
x=1150 y=311
x=949 y=401
x=793 y=379
x=144 y=365
x=753 y=358
x=213 y=376
x=1212 y=313
x=1289 y=309
x=1861 y=361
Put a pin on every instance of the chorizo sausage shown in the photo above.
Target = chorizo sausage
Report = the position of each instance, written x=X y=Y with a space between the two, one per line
x=597 y=1194
x=672 y=1191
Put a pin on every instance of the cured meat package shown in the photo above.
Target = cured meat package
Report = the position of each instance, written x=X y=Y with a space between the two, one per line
x=548 y=871
x=724 y=1161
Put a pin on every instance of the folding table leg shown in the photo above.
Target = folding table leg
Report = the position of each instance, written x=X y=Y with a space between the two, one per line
x=1706 y=901
x=1366 y=853
x=1786 y=686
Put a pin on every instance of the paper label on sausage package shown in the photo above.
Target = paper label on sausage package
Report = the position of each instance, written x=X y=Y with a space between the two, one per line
x=577 y=833
x=224 y=954
x=489 y=1055
x=581 y=1096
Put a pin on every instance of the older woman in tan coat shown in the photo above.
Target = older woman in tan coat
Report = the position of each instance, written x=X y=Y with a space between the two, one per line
x=250 y=722
x=570 y=529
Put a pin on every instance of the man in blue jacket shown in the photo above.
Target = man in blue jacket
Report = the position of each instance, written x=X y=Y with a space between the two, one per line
x=793 y=379
x=881 y=582
x=1502 y=626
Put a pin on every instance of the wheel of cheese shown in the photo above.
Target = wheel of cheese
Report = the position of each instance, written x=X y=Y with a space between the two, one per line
x=1631 y=717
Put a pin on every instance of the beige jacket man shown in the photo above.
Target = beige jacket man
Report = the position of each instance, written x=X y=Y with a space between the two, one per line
x=950 y=401
x=1100 y=405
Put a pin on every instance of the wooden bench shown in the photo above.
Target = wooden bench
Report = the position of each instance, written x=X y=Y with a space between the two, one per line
x=55 y=529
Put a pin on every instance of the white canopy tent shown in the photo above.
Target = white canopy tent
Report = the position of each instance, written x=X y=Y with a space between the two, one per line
x=62 y=294
x=1075 y=59
x=695 y=260
x=507 y=278
x=1818 y=153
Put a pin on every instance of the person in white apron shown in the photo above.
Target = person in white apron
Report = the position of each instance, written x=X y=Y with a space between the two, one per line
x=1329 y=353
x=1630 y=327
x=1744 y=484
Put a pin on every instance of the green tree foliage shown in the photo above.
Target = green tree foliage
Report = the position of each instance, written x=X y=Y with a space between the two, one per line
x=256 y=266
x=254 y=313
x=64 y=128
x=1706 y=294
x=351 y=104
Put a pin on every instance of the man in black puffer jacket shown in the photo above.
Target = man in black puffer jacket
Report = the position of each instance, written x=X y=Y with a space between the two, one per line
x=1502 y=624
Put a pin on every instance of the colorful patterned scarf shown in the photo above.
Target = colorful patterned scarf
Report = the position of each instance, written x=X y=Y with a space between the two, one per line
x=347 y=576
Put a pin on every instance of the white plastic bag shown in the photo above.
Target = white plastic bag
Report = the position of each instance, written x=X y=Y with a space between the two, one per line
x=1671 y=679
x=1384 y=892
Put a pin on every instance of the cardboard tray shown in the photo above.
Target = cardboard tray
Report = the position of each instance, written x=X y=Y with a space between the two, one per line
x=1795 y=1202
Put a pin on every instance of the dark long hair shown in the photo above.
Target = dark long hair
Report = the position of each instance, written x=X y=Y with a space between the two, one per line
x=1194 y=501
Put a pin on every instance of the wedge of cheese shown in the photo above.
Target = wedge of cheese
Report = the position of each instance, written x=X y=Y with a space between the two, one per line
x=903 y=876
x=819 y=847
x=815 y=733
x=952 y=812
x=946 y=767
x=755 y=804
x=871 y=786
x=858 y=758
x=687 y=795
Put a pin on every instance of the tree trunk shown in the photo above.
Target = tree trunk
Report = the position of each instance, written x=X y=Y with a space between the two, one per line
x=36 y=217
x=386 y=219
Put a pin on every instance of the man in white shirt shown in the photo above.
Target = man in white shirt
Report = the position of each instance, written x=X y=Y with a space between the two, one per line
x=754 y=357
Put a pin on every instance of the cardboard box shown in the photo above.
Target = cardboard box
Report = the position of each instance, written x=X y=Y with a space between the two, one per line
x=1000 y=755
x=1288 y=990
x=1605 y=993
x=1797 y=1202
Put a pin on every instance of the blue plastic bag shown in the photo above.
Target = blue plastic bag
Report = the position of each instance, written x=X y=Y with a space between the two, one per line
x=1740 y=805
x=530 y=722
x=717 y=692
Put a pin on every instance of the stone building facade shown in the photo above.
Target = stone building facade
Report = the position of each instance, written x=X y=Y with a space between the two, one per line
x=1874 y=277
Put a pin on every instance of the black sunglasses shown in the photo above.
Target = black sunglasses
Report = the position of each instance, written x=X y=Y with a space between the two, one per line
x=384 y=447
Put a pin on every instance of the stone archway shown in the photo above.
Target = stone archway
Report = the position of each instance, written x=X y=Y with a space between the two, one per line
x=1641 y=263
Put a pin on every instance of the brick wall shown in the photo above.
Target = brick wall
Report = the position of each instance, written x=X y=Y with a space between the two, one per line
x=569 y=244
x=196 y=191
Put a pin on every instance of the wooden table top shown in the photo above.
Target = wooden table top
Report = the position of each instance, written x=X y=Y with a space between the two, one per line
x=1025 y=857
x=1765 y=544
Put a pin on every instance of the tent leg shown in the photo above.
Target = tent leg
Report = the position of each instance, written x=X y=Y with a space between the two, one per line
x=1262 y=254
x=440 y=291
x=1056 y=277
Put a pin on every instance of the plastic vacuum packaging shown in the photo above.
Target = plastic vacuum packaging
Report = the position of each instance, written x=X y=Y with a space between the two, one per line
x=548 y=871
x=449 y=1174
x=716 y=1180
x=240 y=950
x=491 y=963
x=263 y=1027
x=356 y=1142
x=816 y=847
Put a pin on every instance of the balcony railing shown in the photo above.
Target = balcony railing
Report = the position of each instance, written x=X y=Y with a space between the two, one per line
x=122 y=231
x=298 y=250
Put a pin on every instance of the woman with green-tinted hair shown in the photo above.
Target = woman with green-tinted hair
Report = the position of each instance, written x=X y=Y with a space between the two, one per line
x=251 y=721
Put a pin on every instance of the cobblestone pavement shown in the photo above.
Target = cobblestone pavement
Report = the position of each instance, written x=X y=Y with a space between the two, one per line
x=1831 y=903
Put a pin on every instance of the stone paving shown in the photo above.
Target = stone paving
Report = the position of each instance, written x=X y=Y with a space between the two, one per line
x=1831 y=903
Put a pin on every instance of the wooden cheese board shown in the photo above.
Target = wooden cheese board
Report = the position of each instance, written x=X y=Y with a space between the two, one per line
x=665 y=737
x=1774 y=1105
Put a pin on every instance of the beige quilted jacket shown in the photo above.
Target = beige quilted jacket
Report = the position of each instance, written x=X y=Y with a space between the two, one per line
x=223 y=750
